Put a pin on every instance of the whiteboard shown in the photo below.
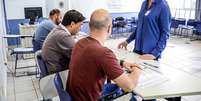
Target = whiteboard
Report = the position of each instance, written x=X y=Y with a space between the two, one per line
x=114 y=6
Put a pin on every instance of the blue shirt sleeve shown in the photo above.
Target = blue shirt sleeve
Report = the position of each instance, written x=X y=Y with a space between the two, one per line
x=131 y=37
x=164 y=26
x=49 y=26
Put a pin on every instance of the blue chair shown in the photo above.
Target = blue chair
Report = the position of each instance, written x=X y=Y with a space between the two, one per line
x=192 y=22
x=132 y=24
x=41 y=64
x=63 y=94
x=119 y=25
x=197 y=31
x=174 y=25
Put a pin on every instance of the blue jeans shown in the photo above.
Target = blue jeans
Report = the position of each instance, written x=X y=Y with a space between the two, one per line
x=113 y=91
x=36 y=45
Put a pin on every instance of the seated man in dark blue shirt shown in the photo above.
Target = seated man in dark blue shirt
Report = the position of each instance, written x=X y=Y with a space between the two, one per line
x=45 y=27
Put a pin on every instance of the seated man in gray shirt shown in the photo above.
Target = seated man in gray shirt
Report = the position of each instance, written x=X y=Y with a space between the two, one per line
x=45 y=27
x=56 y=50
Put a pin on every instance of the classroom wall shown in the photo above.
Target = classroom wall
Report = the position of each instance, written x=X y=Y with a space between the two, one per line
x=51 y=4
x=88 y=6
x=114 y=6
x=15 y=8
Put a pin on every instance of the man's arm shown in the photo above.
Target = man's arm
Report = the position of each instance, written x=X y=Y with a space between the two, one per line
x=128 y=81
x=66 y=43
x=132 y=36
x=114 y=71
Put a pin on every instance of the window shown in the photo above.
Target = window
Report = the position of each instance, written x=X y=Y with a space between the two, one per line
x=182 y=8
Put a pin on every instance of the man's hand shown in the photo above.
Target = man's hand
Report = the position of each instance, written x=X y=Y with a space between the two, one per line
x=147 y=57
x=131 y=66
x=123 y=45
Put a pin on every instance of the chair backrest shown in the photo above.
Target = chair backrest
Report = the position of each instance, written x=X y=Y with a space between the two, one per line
x=41 y=64
x=198 y=28
x=192 y=22
x=47 y=86
x=174 y=23
x=63 y=94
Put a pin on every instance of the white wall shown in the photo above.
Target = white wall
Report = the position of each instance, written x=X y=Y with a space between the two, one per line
x=52 y=4
x=114 y=6
x=15 y=8
x=88 y=6
x=3 y=75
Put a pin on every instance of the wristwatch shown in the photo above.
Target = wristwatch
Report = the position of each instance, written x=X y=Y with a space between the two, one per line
x=121 y=62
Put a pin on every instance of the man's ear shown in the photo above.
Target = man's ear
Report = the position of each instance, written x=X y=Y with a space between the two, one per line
x=109 y=30
x=72 y=23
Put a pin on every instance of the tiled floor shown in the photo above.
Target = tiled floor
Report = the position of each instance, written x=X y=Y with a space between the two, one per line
x=182 y=53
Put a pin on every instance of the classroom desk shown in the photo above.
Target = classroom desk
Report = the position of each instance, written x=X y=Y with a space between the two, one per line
x=15 y=36
x=7 y=36
x=171 y=83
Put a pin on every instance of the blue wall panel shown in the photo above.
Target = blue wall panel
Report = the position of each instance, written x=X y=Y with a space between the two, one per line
x=13 y=29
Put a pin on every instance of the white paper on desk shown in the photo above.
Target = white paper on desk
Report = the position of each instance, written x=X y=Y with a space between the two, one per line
x=133 y=58
x=121 y=54
x=148 y=77
x=151 y=78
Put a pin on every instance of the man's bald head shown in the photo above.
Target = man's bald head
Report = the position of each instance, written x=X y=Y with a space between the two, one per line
x=100 y=19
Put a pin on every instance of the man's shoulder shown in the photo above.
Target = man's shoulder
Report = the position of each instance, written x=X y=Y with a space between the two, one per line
x=59 y=35
x=60 y=32
x=91 y=44
x=99 y=49
x=47 y=23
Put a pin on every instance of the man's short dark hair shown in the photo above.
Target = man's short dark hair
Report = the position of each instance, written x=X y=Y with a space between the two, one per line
x=54 y=11
x=72 y=16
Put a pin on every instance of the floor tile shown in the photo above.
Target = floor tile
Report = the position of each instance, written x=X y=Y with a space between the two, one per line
x=26 y=96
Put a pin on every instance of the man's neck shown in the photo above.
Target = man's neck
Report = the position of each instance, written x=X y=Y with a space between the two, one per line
x=149 y=3
x=99 y=37
x=68 y=28
x=52 y=19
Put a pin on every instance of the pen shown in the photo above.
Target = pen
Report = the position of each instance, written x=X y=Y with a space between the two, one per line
x=150 y=65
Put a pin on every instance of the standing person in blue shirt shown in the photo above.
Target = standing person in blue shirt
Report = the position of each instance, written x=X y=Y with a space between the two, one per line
x=153 y=29
x=45 y=27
